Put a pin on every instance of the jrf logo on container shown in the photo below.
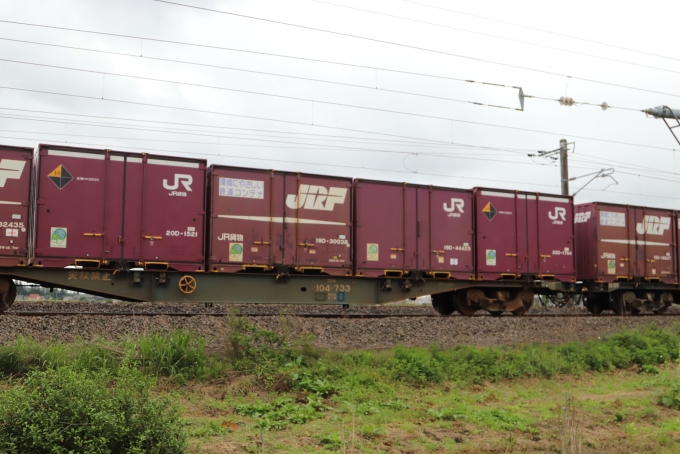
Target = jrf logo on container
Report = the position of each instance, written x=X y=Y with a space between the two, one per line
x=10 y=169
x=312 y=197
x=653 y=225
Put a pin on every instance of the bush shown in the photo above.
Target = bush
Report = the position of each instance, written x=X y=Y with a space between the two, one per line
x=670 y=397
x=180 y=355
x=67 y=409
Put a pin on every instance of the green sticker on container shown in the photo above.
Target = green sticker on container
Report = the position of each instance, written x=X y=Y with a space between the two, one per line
x=235 y=252
x=372 y=252
x=611 y=266
x=491 y=257
x=58 y=237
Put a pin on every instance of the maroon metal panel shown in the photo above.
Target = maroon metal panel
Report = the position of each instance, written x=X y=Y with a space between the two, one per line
x=15 y=195
x=402 y=228
x=103 y=207
x=522 y=233
x=266 y=219
x=173 y=208
x=628 y=242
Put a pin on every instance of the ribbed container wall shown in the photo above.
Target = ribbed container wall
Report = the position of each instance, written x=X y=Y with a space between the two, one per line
x=102 y=208
x=522 y=233
x=404 y=229
x=263 y=220
x=16 y=164
x=624 y=242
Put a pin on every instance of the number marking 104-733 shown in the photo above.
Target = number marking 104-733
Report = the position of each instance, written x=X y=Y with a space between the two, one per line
x=333 y=288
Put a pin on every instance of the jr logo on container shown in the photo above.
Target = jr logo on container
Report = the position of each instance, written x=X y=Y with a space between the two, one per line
x=312 y=197
x=456 y=205
x=653 y=225
x=180 y=178
x=559 y=216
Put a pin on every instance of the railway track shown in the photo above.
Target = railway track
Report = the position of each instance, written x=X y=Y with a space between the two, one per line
x=310 y=315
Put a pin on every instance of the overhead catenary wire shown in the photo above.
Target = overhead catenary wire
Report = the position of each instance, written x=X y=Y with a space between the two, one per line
x=542 y=30
x=204 y=134
x=301 y=146
x=308 y=79
x=408 y=46
x=496 y=36
x=229 y=49
x=334 y=127
x=214 y=87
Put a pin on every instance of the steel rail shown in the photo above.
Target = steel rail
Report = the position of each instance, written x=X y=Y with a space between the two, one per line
x=303 y=315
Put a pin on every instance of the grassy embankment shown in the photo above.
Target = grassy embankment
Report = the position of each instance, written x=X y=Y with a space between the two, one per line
x=167 y=394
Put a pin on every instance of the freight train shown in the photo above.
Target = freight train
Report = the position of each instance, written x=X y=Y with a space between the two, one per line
x=143 y=227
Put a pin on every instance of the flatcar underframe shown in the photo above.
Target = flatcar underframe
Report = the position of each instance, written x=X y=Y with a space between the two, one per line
x=176 y=287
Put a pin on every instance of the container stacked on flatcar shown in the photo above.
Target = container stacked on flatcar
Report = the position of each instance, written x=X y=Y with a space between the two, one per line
x=524 y=233
x=402 y=229
x=16 y=164
x=99 y=208
x=266 y=220
x=627 y=244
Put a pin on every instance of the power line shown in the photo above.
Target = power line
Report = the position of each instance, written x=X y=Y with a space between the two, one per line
x=407 y=46
x=333 y=127
x=542 y=30
x=230 y=49
x=254 y=92
x=307 y=146
x=290 y=162
x=497 y=37
x=201 y=111
x=203 y=134
x=345 y=166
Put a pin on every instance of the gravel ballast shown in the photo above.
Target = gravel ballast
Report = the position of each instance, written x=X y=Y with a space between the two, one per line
x=334 y=333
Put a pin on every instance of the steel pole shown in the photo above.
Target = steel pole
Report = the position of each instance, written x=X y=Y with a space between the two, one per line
x=564 y=167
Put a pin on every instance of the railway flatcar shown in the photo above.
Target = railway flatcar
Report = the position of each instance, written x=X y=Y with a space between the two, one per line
x=140 y=227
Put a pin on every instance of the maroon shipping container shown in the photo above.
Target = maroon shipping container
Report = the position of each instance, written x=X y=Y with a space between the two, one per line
x=403 y=228
x=261 y=220
x=522 y=233
x=15 y=196
x=101 y=208
x=622 y=242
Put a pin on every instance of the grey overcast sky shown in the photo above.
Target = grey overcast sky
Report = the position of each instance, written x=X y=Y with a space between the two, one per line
x=260 y=93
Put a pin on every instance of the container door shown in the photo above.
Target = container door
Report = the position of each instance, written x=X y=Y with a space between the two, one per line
x=15 y=183
x=173 y=211
x=318 y=222
x=380 y=242
x=121 y=214
x=70 y=206
x=497 y=244
x=450 y=232
x=243 y=229
x=654 y=250
x=616 y=241
x=556 y=235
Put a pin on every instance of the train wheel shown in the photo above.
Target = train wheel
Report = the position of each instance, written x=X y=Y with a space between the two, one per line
x=667 y=300
x=465 y=301
x=622 y=303
x=443 y=303
x=8 y=293
x=596 y=303
x=527 y=299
